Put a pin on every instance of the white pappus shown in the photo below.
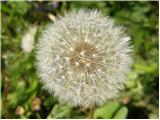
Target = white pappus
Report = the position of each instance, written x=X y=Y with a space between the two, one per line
x=83 y=58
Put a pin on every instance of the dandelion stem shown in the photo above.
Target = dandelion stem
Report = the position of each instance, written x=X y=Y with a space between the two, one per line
x=91 y=113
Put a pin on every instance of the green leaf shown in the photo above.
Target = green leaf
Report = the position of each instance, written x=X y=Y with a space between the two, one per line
x=106 y=111
x=19 y=7
x=33 y=87
x=132 y=75
x=49 y=101
x=144 y=68
x=60 y=111
x=111 y=110
x=122 y=113
x=5 y=9
x=130 y=83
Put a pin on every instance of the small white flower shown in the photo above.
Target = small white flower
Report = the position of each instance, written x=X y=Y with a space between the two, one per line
x=27 y=43
x=95 y=59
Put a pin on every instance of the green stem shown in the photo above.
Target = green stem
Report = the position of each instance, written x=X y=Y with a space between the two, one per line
x=19 y=54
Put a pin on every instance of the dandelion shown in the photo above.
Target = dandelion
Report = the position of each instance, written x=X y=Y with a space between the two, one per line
x=83 y=58
x=27 y=43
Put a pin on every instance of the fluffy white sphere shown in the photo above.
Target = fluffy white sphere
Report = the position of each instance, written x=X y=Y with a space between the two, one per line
x=83 y=58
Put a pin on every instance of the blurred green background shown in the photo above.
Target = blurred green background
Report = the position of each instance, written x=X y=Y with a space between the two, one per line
x=22 y=93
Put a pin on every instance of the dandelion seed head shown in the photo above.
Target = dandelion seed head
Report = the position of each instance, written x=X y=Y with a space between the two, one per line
x=27 y=43
x=83 y=58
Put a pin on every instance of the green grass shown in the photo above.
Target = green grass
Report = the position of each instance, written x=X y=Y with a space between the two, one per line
x=20 y=84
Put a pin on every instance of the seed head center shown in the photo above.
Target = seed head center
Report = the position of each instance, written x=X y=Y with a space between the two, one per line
x=83 y=57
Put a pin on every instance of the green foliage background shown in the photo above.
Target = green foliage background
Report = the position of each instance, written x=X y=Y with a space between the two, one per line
x=20 y=84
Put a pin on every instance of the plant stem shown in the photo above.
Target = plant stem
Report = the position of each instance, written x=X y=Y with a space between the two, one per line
x=91 y=113
x=19 y=55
